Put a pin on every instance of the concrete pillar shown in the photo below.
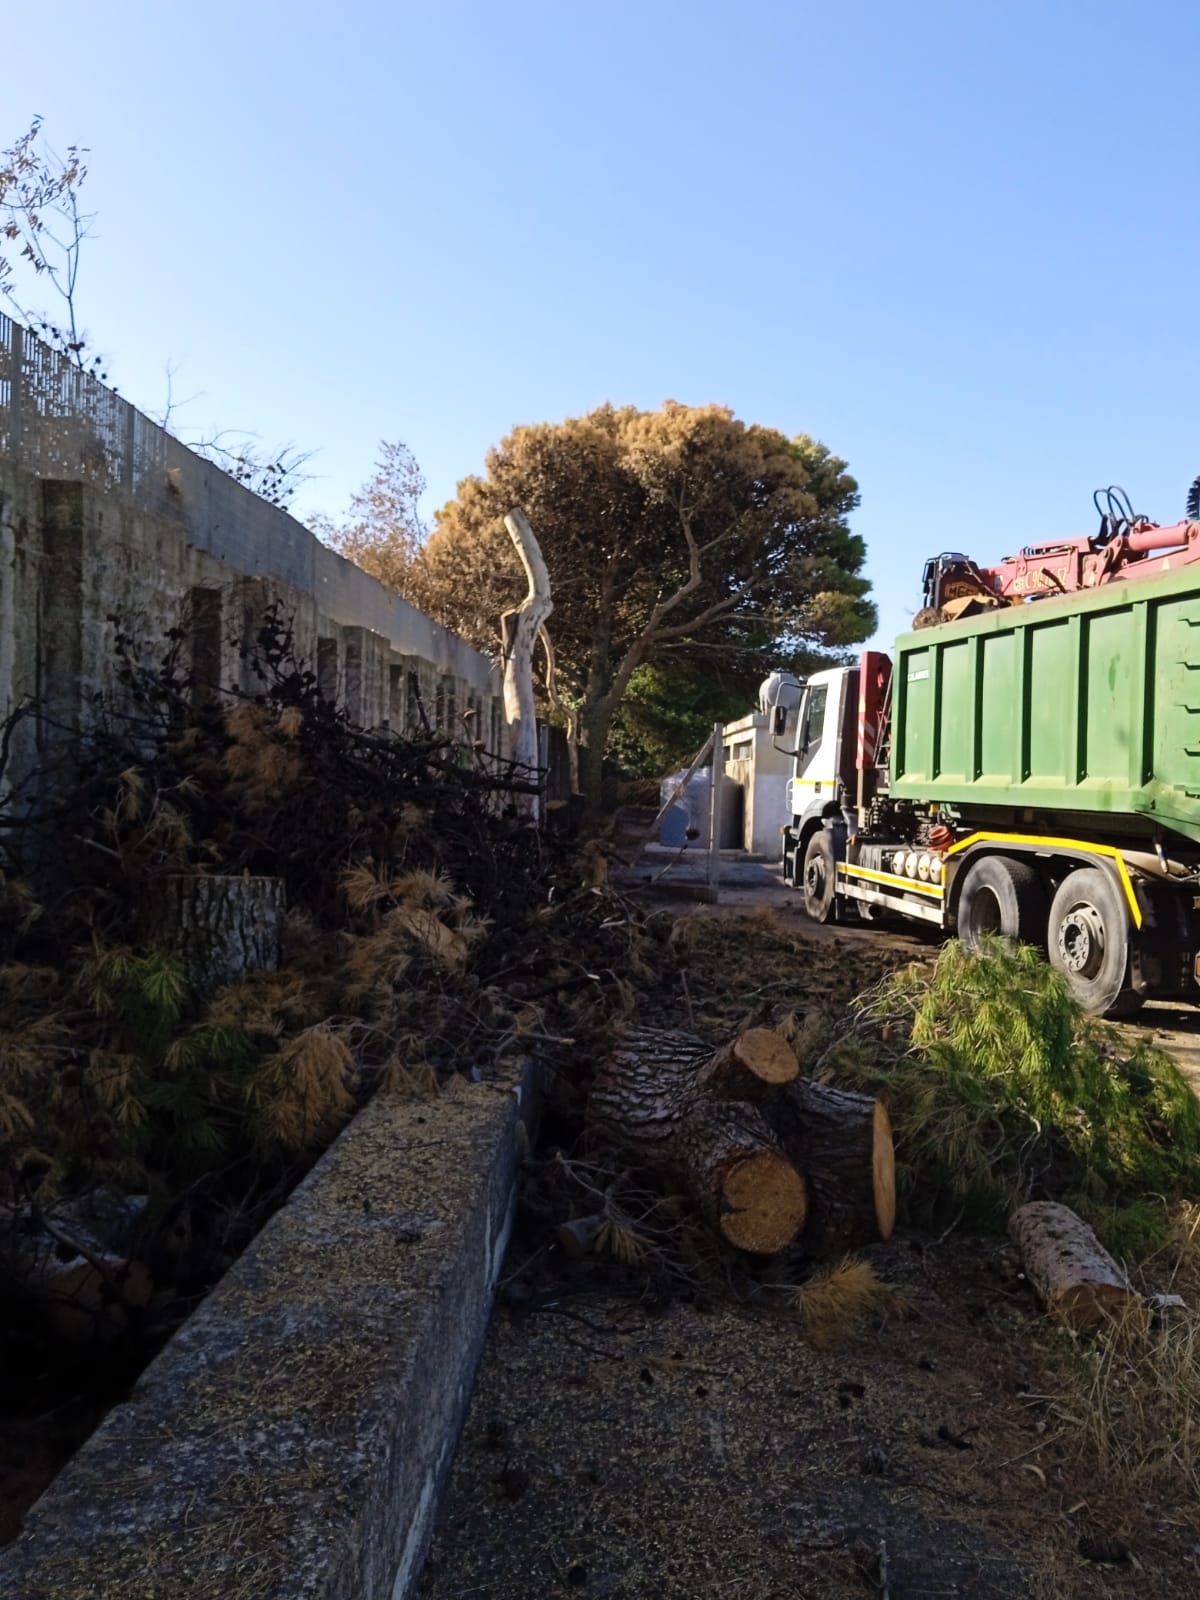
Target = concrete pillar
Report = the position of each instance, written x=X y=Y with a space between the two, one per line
x=327 y=669
x=397 y=706
x=60 y=609
x=205 y=619
x=354 y=644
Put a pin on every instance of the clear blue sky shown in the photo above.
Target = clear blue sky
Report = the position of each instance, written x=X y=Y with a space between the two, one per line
x=960 y=243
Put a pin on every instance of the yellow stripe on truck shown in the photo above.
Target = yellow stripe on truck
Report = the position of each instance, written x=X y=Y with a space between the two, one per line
x=892 y=879
x=1074 y=847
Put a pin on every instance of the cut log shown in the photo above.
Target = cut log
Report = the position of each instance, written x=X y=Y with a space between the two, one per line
x=746 y=1186
x=842 y=1143
x=663 y=1098
x=223 y=927
x=1076 y=1279
x=764 y=1154
x=754 y=1064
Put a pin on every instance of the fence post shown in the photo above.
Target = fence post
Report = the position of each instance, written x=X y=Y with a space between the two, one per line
x=717 y=769
x=15 y=385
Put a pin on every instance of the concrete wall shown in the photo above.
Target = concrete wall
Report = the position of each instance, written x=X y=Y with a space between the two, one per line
x=292 y=1441
x=75 y=555
x=752 y=761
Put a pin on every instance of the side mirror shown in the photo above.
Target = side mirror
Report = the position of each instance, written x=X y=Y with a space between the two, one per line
x=780 y=721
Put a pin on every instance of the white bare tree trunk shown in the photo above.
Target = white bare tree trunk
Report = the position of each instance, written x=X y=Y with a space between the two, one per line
x=520 y=629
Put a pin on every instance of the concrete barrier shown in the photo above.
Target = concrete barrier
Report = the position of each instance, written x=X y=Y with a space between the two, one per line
x=292 y=1440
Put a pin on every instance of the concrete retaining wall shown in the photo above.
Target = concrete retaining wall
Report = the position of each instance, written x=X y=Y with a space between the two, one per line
x=292 y=1440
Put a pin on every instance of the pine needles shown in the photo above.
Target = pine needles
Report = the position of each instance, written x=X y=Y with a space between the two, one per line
x=838 y=1299
x=1000 y=1090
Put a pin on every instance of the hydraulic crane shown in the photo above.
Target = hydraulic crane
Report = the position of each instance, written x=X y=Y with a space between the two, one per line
x=1127 y=546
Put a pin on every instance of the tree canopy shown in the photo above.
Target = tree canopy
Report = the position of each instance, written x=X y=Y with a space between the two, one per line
x=673 y=538
x=384 y=531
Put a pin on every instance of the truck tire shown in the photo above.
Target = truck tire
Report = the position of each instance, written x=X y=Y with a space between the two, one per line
x=1004 y=897
x=818 y=878
x=1088 y=942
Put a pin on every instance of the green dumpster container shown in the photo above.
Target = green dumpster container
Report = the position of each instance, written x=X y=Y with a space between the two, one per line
x=1086 y=703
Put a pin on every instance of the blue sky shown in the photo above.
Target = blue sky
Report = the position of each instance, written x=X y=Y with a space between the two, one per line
x=960 y=243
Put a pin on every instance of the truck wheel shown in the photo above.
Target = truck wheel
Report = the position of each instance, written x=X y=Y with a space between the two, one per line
x=819 y=878
x=1088 y=942
x=1001 y=897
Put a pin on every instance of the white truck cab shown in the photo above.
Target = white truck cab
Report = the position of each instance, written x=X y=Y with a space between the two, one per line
x=824 y=726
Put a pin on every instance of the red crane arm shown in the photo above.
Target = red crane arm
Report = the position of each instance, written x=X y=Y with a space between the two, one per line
x=1142 y=551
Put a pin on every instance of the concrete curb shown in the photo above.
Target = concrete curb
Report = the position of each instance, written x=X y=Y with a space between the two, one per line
x=293 y=1439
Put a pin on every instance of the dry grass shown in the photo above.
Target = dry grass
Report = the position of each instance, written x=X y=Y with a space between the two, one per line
x=1139 y=1382
x=410 y=1080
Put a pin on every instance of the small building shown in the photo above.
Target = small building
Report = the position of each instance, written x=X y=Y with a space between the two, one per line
x=759 y=760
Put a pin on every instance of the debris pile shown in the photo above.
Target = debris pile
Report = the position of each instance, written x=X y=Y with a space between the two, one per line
x=225 y=920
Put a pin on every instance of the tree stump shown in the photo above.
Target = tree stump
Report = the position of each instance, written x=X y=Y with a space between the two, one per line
x=222 y=927
x=1076 y=1279
x=664 y=1099
x=842 y=1143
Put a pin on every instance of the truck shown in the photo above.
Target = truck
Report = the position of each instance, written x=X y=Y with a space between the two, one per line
x=1025 y=763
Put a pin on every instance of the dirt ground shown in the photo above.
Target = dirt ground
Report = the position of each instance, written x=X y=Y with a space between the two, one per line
x=627 y=1448
x=614 y=1452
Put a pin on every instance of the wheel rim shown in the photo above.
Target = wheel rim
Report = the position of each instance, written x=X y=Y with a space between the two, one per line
x=1081 y=940
x=814 y=878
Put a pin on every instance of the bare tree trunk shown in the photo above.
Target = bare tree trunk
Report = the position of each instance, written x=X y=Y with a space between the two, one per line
x=520 y=629
x=570 y=714
x=594 y=725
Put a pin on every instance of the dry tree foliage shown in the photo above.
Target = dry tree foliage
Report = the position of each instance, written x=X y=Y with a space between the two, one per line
x=619 y=1239
x=398 y=918
x=270 y=1003
x=302 y=1093
x=19 y=907
x=260 y=757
